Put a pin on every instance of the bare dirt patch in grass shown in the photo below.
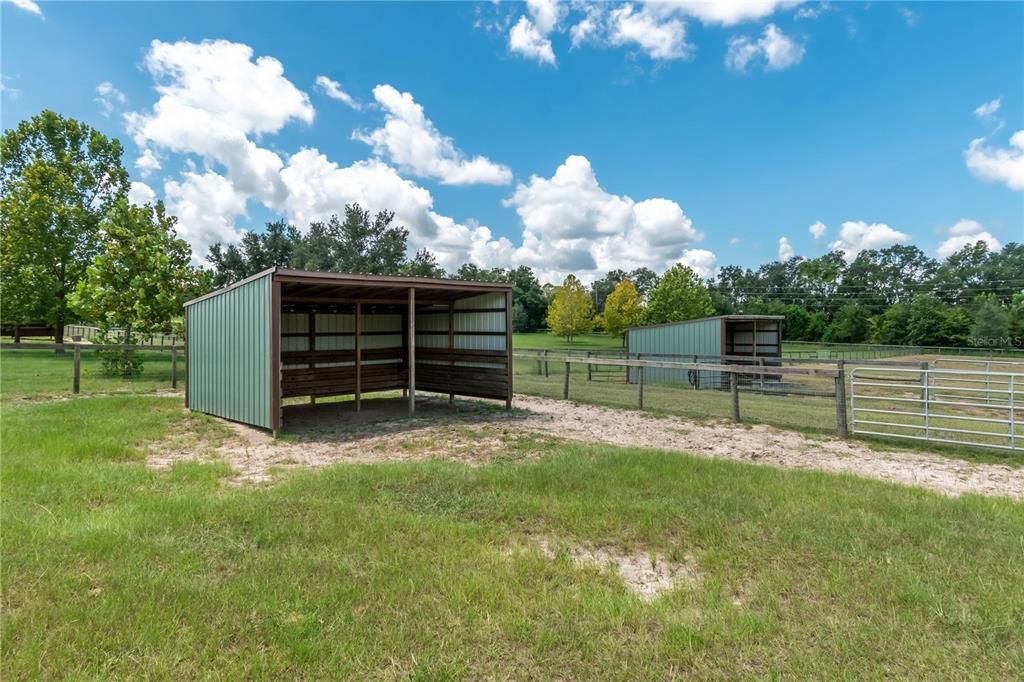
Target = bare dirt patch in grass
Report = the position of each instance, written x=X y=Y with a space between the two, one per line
x=475 y=432
x=331 y=433
x=768 y=445
x=647 y=575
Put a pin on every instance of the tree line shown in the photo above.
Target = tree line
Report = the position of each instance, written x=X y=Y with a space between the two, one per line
x=72 y=247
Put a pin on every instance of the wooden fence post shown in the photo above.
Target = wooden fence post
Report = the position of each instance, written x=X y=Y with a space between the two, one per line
x=841 y=422
x=546 y=374
x=590 y=368
x=76 y=380
x=734 y=396
x=565 y=389
x=174 y=367
x=640 y=387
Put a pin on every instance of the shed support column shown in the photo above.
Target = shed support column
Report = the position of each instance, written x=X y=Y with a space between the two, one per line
x=412 y=350
x=359 y=355
x=508 y=348
x=311 y=330
x=451 y=351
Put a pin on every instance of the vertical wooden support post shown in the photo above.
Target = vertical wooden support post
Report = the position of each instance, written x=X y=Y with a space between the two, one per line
x=546 y=375
x=590 y=369
x=841 y=420
x=640 y=387
x=508 y=348
x=565 y=388
x=174 y=366
x=311 y=344
x=451 y=351
x=734 y=395
x=359 y=356
x=412 y=350
x=76 y=377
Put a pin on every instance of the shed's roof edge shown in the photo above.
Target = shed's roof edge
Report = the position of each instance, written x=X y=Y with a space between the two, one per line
x=233 y=285
x=705 y=319
x=356 y=279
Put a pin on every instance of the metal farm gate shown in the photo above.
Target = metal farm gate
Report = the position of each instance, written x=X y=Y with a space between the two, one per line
x=957 y=406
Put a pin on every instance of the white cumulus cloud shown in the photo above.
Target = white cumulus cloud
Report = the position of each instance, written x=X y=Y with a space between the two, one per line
x=856 y=236
x=147 y=162
x=774 y=50
x=207 y=206
x=655 y=29
x=989 y=108
x=410 y=140
x=213 y=95
x=817 y=230
x=28 y=6
x=963 y=233
x=701 y=261
x=140 y=193
x=109 y=97
x=572 y=224
x=332 y=89
x=996 y=164
x=530 y=36
x=731 y=12
x=786 y=250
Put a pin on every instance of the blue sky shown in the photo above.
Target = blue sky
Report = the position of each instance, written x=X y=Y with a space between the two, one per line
x=566 y=137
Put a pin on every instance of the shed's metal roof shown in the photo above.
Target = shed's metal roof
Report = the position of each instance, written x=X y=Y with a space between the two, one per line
x=369 y=287
x=728 y=318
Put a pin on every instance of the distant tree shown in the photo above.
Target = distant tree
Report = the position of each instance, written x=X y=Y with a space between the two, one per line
x=474 y=273
x=601 y=288
x=679 y=295
x=367 y=243
x=928 y=322
x=623 y=309
x=58 y=177
x=138 y=282
x=644 y=279
x=423 y=264
x=796 y=326
x=277 y=245
x=892 y=326
x=571 y=312
x=850 y=325
x=527 y=293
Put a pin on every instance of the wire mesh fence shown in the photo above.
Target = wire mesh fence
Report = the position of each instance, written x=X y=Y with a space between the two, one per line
x=778 y=392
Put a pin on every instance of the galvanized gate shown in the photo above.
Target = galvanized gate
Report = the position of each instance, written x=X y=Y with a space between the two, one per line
x=961 y=407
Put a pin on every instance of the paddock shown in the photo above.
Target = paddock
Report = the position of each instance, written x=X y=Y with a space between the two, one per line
x=286 y=333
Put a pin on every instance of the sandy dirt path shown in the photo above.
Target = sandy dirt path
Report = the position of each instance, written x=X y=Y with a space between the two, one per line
x=474 y=432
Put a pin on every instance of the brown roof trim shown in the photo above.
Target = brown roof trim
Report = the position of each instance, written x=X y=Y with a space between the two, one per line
x=349 y=279
x=737 y=318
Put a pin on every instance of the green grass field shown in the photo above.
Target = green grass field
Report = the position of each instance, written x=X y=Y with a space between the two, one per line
x=544 y=340
x=43 y=373
x=429 y=570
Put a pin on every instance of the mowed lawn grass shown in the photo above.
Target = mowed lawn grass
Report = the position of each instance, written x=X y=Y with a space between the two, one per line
x=545 y=340
x=406 y=570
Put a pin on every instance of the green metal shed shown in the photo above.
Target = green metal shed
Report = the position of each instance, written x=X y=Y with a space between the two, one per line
x=285 y=333
x=735 y=339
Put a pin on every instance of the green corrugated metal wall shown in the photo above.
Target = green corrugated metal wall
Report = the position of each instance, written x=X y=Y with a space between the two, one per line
x=701 y=337
x=229 y=354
